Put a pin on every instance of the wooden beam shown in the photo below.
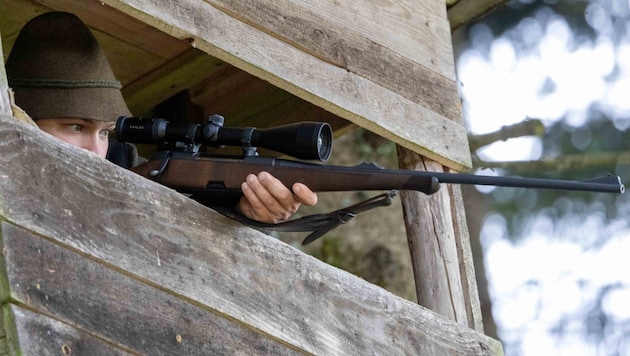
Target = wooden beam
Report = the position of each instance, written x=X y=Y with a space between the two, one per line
x=439 y=248
x=465 y=258
x=31 y=333
x=5 y=102
x=179 y=74
x=58 y=285
x=367 y=39
x=463 y=12
x=405 y=117
x=245 y=100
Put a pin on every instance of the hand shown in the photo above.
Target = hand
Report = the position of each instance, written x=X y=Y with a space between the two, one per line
x=266 y=199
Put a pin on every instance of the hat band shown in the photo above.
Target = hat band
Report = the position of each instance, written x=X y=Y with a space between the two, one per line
x=63 y=83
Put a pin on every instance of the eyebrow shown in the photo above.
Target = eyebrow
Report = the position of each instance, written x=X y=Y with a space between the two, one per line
x=91 y=121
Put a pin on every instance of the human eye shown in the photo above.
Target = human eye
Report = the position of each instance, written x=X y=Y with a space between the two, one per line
x=75 y=127
x=106 y=133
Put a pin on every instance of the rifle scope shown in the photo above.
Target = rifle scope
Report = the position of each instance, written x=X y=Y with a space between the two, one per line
x=303 y=140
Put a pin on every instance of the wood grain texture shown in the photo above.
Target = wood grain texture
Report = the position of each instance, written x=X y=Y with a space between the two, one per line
x=465 y=257
x=400 y=46
x=5 y=102
x=113 y=308
x=433 y=245
x=465 y=12
x=180 y=73
x=37 y=334
x=156 y=236
x=362 y=99
x=7 y=323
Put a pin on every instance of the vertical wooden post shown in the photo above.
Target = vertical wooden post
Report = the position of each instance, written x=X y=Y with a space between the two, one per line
x=439 y=248
x=5 y=103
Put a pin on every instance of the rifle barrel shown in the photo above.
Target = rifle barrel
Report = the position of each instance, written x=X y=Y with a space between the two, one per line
x=607 y=184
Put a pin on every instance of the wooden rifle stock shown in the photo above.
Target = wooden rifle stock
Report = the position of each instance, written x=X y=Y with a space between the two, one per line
x=196 y=172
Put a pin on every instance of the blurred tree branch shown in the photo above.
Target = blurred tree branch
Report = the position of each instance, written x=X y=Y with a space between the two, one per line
x=535 y=127
x=530 y=127
x=561 y=163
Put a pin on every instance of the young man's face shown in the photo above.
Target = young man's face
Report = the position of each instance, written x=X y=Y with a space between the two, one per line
x=88 y=134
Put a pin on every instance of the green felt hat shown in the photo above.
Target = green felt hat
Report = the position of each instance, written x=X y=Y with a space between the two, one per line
x=58 y=70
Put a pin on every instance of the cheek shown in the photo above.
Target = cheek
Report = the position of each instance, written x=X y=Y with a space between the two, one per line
x=60 y=134
x=102 y=149
x=71 y=139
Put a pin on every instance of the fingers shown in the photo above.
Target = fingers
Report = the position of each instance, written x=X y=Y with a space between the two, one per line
x=266 y=199
x=304 y=195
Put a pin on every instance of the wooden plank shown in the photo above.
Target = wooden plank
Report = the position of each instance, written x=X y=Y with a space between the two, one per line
x=433 y=245
x=37 y=334
x=245 y=100
x=128 y=61
x=5 y=102
x=113 y=307
x=337 y=90
x=465 y=257
x=162 y=83
x=462 y=13
x=4 y=345
x=384 y=44
x=120 y=220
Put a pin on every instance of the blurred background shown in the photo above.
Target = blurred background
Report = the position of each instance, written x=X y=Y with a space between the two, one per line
x=551 y=81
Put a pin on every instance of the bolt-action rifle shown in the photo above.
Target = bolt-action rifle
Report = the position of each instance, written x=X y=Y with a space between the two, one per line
x=208 y=178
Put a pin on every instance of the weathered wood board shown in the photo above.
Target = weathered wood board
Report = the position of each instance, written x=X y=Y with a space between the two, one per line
x=120 y=310
x=390 y=74
x=5 y=105
x=38 y=334
x=137 y=244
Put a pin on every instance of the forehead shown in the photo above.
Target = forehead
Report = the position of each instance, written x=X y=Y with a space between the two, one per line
x=73 y=120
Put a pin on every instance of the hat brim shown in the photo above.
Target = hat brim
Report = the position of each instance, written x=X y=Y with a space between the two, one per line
x=103 y=104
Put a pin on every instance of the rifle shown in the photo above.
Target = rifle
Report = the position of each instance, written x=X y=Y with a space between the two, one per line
x=180 y=165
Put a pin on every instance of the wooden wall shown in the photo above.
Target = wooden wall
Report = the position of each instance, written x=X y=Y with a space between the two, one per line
x=386 y=67
x=96 y=259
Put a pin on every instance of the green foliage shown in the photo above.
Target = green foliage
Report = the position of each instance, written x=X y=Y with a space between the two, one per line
x=336 y=253
x=371 y=146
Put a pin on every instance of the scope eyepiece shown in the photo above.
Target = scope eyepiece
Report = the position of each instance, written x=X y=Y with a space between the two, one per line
x=303 y=140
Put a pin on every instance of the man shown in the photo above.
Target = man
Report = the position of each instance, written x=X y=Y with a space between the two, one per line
x=62 y=79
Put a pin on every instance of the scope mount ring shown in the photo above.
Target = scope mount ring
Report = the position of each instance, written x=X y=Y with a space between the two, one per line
x=246 y=142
